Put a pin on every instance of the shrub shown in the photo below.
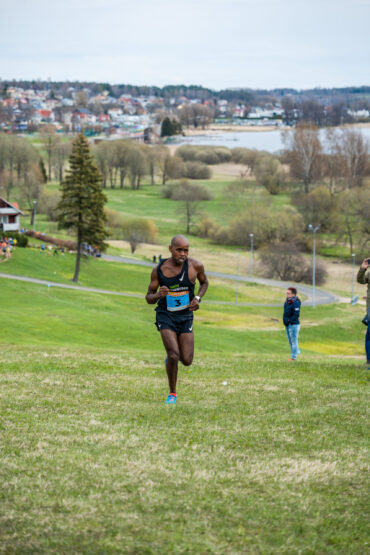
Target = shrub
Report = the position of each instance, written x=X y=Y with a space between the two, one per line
x=318 y=207
x=196 y=170
x=246 y=156
x=223 y=154
x=138 y=231
x=114 y=218
x=187 y=153
x=206 y=227
x=270 y=174
x=48 y=203
x=22 y=240
x=206 y=154
x=284 y=261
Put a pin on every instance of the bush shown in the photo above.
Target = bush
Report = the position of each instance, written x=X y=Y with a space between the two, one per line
x=22 y=240
x=48 y=203
x=187 y=153
x=138 y=231
x=196 y=170
x=207 y=157
x=270 y=174
x=246 y=156
x=223 y=154
x=114 y=218
x=206 y=154
x=206 y=228
x=267 y=226
x=318 y=207
x=320 y=273
x=284 y=261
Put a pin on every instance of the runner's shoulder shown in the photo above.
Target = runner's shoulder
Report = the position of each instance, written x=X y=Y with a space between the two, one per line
x=196 y=264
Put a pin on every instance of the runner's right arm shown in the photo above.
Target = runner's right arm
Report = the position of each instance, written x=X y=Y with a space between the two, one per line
x=153 y=295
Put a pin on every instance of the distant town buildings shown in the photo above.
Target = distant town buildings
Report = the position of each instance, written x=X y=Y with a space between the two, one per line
x=102 y=108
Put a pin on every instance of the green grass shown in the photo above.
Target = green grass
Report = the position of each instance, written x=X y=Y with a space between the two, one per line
x=92 y=461
x=119 y=277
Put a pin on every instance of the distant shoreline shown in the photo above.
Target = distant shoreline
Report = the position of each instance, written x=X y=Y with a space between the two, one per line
x=213 y=129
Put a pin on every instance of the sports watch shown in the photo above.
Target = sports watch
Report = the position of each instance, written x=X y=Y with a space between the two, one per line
x=198 y=298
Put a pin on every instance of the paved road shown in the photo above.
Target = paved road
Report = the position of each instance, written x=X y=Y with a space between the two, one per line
x=321 y=297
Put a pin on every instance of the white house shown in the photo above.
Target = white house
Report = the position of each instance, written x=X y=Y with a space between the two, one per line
x=9 y=216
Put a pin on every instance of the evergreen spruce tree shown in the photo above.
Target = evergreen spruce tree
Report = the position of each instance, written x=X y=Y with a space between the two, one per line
x=82 y=204
x=166 y=128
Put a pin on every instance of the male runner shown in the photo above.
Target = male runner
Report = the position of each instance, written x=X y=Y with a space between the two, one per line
x=175 y=277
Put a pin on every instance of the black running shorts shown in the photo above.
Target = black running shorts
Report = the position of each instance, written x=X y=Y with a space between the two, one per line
x=179 y=323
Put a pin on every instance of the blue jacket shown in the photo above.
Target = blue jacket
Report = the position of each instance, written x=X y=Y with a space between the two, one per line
x=292 y=308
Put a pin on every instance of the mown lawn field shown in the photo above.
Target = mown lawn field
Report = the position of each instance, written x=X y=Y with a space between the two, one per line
x=114 y=276
x=258 y=456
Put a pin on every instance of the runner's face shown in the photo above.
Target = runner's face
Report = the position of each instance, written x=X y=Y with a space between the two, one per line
x=180 y=252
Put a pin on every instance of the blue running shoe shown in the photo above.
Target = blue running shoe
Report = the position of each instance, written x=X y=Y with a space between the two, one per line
x=171 y=399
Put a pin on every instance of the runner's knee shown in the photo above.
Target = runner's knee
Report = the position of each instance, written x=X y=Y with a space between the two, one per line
x=173 y=355
x=187 y=359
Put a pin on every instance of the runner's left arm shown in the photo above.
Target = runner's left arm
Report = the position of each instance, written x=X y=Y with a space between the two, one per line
x=203 y=285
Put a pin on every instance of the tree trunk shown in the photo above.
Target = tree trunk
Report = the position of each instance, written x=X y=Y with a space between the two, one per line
x=306 y=186
x=122 y=175
x=78 y=258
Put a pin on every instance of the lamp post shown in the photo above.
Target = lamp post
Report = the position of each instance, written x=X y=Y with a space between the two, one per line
x=237 y=278
x=353 y=276
x=251 y=235
x=34 y=214
x=313 y=229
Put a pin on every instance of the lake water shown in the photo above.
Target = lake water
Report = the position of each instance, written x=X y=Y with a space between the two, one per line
x=260 y=140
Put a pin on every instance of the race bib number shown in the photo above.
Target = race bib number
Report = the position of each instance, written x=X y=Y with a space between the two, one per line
x=177 y=300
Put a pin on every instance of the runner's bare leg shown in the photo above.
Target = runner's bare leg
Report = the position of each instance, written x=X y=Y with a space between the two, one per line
x=186 y=344
x=171 y=345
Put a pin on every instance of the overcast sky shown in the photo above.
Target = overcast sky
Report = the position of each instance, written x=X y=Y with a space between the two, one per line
x=214 y=43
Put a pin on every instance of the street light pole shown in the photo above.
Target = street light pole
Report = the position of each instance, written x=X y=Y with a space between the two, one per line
x=353 y=275
x=313 y=229
x=237 y=278
x=251 y=258
x=34 y=214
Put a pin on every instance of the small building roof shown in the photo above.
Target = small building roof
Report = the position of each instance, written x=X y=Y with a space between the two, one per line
x=14 y=205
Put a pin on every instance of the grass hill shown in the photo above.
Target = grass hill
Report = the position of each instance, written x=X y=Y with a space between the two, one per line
x=259 y=456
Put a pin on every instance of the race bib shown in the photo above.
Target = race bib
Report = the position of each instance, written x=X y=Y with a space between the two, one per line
x=177 y=300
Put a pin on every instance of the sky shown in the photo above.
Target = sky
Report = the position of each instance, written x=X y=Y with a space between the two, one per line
x=214 y=43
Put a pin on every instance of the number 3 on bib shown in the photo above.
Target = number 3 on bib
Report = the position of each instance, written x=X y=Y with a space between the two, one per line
x=177 y=300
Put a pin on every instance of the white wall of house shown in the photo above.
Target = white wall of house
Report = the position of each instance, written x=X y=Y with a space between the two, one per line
x=4 y=219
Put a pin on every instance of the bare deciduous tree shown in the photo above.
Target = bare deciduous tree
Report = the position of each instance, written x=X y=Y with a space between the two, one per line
x=49 y=140
x=304 y=153
x=353 y=148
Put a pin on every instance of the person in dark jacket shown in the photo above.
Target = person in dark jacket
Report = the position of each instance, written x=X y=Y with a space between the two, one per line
x=292 y=308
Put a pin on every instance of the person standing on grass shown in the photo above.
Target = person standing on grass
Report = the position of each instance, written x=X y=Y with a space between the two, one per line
x=171 y=287
x=363 y=277
x=292 y=308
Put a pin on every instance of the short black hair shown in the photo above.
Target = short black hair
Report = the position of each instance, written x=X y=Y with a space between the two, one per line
x=293 y=290
x=176 y=237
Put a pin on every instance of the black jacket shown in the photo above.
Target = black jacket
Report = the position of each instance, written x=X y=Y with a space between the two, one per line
x=292 y=308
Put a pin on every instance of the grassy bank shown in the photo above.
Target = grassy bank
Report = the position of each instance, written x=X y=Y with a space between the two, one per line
x=94 y=462
x=259 y=455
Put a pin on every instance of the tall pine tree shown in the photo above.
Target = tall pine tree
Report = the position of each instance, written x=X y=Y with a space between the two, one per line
x=82 y=204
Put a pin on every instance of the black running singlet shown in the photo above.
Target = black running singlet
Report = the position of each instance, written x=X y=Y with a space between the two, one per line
x=181 y=290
